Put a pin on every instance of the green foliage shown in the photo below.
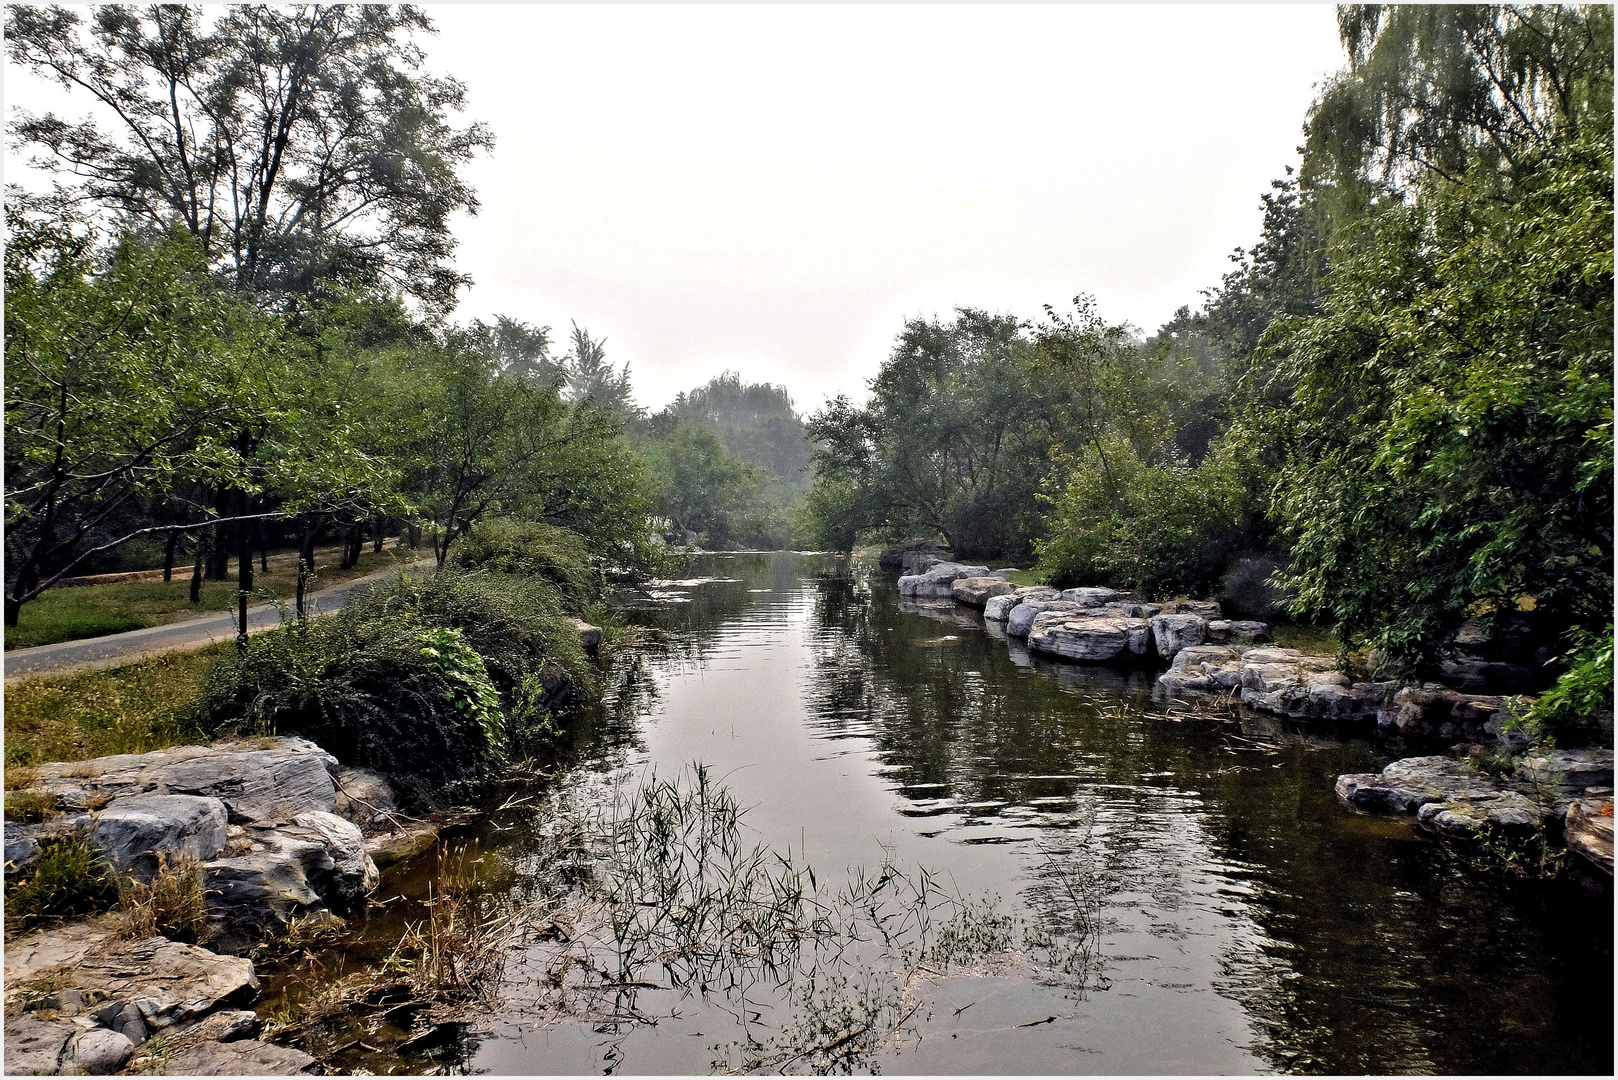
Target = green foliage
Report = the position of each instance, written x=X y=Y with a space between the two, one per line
x=1451 y=433
x=1164 y=529
x=68 y=879
x=953 y=441
x=703 y=487
x=476 y=695
x=407 y=679
x=303 y=148
x=1581 y=702
x=530 y=549
x=755 y=421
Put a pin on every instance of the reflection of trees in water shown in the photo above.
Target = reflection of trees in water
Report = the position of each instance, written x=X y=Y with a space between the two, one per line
x=1351 y=950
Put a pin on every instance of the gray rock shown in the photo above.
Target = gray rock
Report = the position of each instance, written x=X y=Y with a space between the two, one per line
x=1436 y=712
x=154 y=981
x=1209 y=669
x=1004 y=572
x=589 y=636
x=97 y=1052
x=1205 y=609
x=226 y=1025
x=22 y=844
x=1407 y=785
x=1021 y=618
x=256 y=893
x=1173 y=633
x=998 y=608
x=135 y=830
x=976 y=591
x=1306 y=686
x=243 y=1057
x=1588 y=830
x=1091 y=638
x=335 y=864
x=1092 y=597
x=366 y=798
x=1237 y=632
x=938 y=582
x=1503 y=813
x=258 y=786
x=34 y=1046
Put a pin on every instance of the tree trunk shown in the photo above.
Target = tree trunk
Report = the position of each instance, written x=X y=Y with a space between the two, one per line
x=376 y=542
x=219 y=553
x=196 y=566
x=168 y=554
x=13 y=609
x=244 y=574
x=415 y=537
x=263 y=546
x=306 y=561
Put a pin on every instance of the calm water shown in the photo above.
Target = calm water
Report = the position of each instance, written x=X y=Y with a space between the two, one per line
x=1248 y=923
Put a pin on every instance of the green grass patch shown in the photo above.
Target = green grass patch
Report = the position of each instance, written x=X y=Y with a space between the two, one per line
x=124 y=710
x=87 y=611
x=1307 y=638
x=31 y=807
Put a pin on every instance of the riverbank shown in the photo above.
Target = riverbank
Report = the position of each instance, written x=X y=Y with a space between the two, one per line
x=1521 y=812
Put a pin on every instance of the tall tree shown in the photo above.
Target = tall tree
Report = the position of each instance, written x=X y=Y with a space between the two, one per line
x=302 y=146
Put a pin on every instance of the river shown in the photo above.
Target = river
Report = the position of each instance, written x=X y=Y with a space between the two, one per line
x=1243 y=921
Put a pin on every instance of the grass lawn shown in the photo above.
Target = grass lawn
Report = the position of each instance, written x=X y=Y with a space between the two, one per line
x=94 y=610
x=1309 y=639
x=125 y=710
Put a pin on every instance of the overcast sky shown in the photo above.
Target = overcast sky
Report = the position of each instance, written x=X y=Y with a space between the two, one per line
x=775 y=189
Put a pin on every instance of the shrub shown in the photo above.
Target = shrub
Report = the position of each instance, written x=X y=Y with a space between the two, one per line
x=532 y=549
x=408 y=679
x=1163 y=529
x=1580 y=704
x=69 y=878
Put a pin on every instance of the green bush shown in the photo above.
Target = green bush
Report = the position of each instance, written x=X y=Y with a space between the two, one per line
x=70 y=878
x=1580 y=705
x=1163 y=530
x=533 y=549
x=408 y=679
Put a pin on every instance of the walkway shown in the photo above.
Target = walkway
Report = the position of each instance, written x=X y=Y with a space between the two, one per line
x=89 y=654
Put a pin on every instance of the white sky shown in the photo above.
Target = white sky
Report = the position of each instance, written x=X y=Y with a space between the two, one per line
x=774 y=189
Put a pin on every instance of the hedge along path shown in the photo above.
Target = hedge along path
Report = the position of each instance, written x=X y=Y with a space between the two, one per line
x=114 y=650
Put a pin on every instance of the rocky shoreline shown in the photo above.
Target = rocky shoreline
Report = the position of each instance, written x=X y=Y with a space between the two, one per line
x=1565 y=794
x=276 y=834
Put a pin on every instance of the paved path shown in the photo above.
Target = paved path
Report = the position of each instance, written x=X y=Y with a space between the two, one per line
x=115 y=649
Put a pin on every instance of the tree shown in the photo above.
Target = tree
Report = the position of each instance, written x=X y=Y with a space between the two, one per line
x=302 y=147
x=1451 y=432
x=590 y=377
x=701 y=485
x=131 y=377
x=954 y=439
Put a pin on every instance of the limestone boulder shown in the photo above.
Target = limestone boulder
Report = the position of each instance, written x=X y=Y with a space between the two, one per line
x=1020 y=620
x=1093 y=596
x=938 y=582
x=96 y=1052
x=135 y=831
x=335 y=862
x=252 y=895
x=1237 y=632
x=1503 y=814
x=1588 y=831
x=998 y=608
x=1307 y=686
x=1407 y=785
x=1435 y=712
x=1208 y=669
x=976 y=591
x=367 y=798
x=261 y=787
x=1094 y=639
x=243 y=1057
x=1172 y=633
x=589 y=636
x=1205 y=609
x=34 y=1047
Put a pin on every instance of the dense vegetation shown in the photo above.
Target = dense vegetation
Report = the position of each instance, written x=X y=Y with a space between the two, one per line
x=1400 y=400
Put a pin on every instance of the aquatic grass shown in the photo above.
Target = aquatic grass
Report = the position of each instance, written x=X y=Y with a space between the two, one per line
x=660 y=887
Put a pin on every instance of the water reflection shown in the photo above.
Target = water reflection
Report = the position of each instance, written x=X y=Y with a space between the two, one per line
x=1247 y=922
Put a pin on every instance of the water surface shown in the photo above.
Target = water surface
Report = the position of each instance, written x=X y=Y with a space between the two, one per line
x=1248 y=923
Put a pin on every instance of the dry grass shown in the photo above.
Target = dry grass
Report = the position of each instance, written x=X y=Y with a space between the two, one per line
x=30 y=807
x=172 y=904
